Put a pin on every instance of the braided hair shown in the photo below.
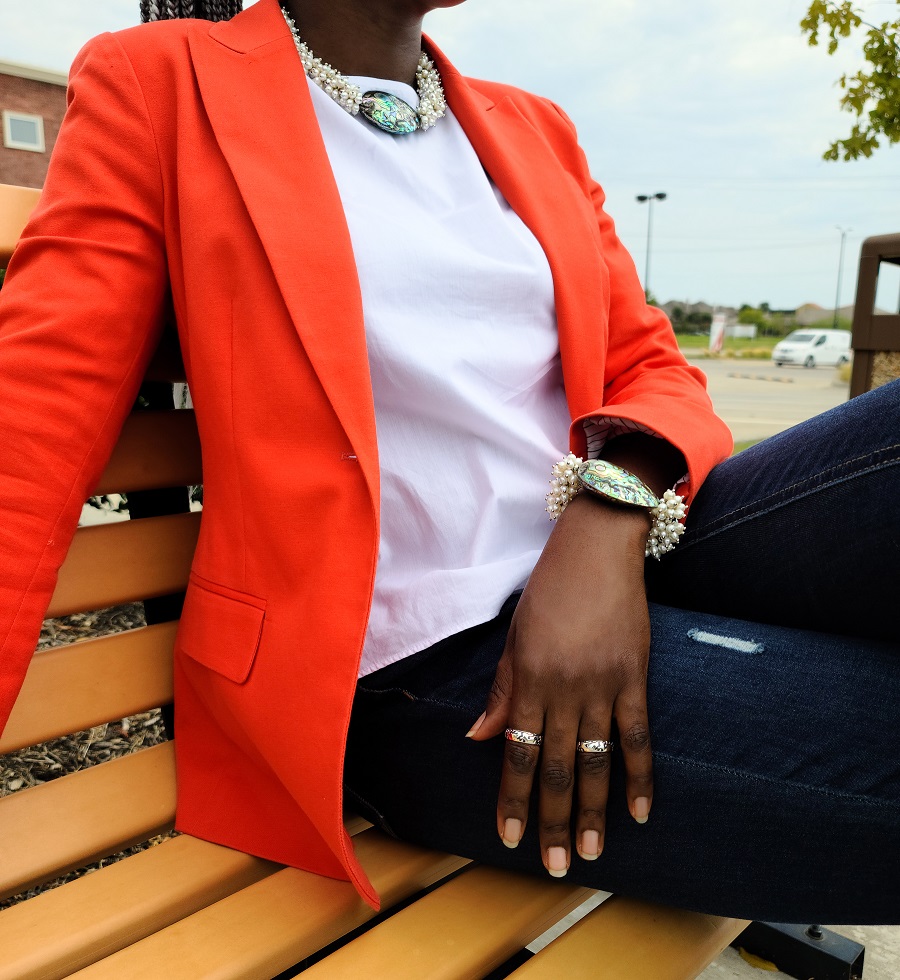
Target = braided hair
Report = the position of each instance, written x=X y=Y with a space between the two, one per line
x=177 y=9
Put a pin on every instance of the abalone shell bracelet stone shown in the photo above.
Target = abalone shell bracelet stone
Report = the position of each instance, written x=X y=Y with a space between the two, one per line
x=573 y=474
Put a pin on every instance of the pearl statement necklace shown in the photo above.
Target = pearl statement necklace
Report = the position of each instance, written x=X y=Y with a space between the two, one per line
x=382 y=109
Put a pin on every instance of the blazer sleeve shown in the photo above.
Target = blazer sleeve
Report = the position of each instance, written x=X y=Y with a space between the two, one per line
x=648 y=385
x=80 y=316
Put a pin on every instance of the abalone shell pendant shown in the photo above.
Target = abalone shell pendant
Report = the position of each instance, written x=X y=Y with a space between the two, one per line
x=390 y=113
x=617 y=484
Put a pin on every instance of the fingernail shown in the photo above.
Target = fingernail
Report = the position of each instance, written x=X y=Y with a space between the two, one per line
x=512 y=832
x=590 y=845
x=557 y=864
x=477 y=725
x=641 y=809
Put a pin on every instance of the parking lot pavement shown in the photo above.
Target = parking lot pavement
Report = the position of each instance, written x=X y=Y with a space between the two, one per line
x=757 y=399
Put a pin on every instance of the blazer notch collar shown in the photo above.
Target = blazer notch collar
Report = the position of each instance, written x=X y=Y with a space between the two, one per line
x=252 y=29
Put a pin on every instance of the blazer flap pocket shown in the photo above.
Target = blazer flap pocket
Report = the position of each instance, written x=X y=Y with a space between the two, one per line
x=221 y=628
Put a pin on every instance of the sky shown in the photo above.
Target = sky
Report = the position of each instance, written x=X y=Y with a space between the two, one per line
x=723 y=107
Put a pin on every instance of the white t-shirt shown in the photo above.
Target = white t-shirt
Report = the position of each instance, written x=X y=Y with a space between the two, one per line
x=464 y=358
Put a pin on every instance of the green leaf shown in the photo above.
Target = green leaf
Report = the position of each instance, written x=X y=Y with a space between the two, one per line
x=872 y=94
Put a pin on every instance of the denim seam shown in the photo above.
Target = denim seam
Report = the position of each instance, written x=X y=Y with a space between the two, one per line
x=870 y=800
x=382 y=820
x=415 y=697
x=386 y=690
x=759 y=508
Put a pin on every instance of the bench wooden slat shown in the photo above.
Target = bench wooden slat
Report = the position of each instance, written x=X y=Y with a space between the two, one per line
x=155 y=449
x=465 y=929
x=72 y=821
x=275 y=923
x=354 y=824
x=16 y=205
x=115 y=563
x=626 y=937
x=72 y=688
x=69 y=928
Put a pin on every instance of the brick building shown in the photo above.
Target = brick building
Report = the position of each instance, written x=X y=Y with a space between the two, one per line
x=32 y=104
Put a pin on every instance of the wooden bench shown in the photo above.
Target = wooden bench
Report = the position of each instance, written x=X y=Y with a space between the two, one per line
x=185 y=908
x=876 y=336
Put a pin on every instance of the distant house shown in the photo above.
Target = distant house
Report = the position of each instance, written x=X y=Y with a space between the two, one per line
x=811 y=313
x=683 y=312
x=32 y=105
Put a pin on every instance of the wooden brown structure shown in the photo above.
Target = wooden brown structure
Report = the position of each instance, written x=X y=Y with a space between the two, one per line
x=186 y=909
x=876 y=336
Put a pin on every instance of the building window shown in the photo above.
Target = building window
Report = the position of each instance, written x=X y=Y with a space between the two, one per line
x=23 y=132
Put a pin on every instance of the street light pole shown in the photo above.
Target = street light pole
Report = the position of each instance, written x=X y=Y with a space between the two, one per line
x=837 y=297
x=649 y=199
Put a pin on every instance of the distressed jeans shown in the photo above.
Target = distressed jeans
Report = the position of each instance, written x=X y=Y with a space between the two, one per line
x=773 y=694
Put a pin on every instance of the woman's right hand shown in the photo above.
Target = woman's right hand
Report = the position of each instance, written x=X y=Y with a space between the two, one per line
x=575 y=660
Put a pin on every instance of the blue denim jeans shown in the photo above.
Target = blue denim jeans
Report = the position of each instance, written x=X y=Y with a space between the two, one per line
x=773 y=691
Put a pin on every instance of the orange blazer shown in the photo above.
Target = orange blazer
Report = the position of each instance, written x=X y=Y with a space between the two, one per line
x=190 y=164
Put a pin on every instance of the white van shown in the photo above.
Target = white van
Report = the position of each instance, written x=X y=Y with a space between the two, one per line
x=811 y=347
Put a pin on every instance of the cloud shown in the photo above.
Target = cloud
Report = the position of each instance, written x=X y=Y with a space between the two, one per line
x=726 y=108
x=723 y=106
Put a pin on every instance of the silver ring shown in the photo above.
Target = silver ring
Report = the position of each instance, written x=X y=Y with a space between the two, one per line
x=595 y=745
x=527 y=738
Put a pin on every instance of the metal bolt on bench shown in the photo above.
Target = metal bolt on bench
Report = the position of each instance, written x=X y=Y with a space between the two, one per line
x=804 y=951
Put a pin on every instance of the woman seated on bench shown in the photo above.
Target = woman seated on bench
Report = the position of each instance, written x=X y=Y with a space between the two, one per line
x=385 y=241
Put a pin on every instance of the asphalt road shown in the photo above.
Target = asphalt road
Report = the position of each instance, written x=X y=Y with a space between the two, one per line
x=757 y=399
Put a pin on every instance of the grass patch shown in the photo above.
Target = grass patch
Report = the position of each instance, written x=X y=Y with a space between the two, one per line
x=752 y=353
x=743 y=444
x=739 y=346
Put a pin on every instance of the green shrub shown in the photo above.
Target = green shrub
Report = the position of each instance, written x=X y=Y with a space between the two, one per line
x=843 y=323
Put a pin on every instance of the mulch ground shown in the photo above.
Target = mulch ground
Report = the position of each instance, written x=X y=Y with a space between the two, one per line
x=41 y=763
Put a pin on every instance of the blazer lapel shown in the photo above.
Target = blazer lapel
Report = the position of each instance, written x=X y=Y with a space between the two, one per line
x=259 y=106
x=257 y=99
x=517 y=157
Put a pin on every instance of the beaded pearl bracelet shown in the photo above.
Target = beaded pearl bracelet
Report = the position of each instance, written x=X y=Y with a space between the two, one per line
x=573 y=474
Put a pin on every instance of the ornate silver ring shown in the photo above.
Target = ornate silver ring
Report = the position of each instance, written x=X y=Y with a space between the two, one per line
x=527 y=738
x=595 y=745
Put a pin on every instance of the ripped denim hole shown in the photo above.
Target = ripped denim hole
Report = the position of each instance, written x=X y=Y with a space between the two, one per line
x=727 y=642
